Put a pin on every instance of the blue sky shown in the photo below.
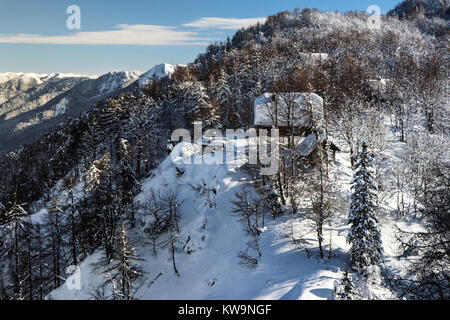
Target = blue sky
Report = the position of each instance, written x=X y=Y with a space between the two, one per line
x=133 y=34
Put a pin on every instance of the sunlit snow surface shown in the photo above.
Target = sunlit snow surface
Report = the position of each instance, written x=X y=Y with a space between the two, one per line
x=212 y=270
x=159 y=71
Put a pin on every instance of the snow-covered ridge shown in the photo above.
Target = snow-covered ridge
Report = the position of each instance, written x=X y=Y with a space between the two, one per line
x=8 y=76
x=159 y=71
x=213 y=236
x=28 y=100
x=117 y=79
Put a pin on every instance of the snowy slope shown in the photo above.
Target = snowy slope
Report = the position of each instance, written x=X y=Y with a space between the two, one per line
x=209 y=265
x=159 y=71
x=116 y=80
x=284 y=272
x=212 y=270
x=12 y=84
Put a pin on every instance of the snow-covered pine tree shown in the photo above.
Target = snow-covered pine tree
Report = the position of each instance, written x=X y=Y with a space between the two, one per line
x=221 y=94
x=123 y=273
x=364 y=236
x=128 y=182
x=102 y=212
x=221 y=91
x=53 y=230
x=12 y=245
x=345 y=289
x=198 y=107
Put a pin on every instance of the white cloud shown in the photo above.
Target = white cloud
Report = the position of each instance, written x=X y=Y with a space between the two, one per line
x=138 y=34
x=224 y=23
x=122 y=35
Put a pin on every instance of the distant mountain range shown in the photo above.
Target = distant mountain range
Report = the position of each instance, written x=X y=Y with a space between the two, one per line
x=31 y=104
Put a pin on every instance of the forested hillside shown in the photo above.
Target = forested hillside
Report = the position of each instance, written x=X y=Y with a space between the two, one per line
x=89 y=192
x=33 y=104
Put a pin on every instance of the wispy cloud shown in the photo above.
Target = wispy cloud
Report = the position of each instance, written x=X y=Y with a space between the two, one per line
x=224 y=23
x=139 y=34
x=122 y=35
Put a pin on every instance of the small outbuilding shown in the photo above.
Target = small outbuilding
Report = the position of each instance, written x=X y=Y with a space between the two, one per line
x=313 y=143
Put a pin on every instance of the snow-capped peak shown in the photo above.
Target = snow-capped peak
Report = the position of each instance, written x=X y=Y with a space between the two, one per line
x=159 y=71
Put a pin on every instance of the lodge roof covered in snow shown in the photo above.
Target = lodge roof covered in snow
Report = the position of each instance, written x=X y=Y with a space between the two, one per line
x=292 y=109
x=313 y=58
